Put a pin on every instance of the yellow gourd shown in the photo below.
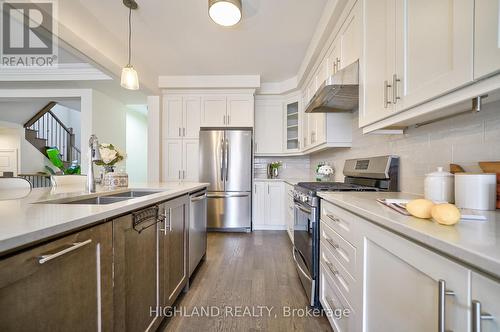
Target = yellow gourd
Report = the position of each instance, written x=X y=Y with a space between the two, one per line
x=420 y=208
x=446 y=214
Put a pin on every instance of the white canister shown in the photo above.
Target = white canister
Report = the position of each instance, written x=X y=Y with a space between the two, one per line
x=476 y=191
x=439 y=186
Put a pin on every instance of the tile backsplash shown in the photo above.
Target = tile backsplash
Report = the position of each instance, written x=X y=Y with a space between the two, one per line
x=293 y=167
x=464 y=140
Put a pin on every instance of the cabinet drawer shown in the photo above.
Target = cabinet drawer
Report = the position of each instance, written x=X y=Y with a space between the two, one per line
x=339 y=312
x=341 y=249
x=339 y=220
x=344 y=282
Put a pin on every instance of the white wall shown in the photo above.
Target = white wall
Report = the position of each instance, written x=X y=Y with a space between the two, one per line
x=71 y=119
x=30 y=160
x=109 y=122
x=292 y=168
x=464 y=140
x=137 y=146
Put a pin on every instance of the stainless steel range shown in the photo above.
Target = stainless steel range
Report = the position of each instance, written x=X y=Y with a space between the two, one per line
x=366 y=174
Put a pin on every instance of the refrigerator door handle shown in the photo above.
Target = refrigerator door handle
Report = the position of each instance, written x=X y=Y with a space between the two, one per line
x=222 y=160
x=227 y=160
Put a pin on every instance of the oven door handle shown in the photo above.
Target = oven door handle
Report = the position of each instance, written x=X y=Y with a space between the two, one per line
x=298 y=265
x=303 y=209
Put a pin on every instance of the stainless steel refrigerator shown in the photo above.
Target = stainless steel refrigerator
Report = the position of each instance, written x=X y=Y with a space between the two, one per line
x=226 y=163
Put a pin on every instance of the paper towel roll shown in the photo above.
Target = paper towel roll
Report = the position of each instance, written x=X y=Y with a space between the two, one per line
x=476 y=191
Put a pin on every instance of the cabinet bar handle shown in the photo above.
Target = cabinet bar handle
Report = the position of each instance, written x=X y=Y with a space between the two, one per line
x=478 y=316
x=333 y=244
x=333 y=218
x=180 y=132
x=442 y=304
x=386 y=94
x=184 y=132
x=228 y=119
x=45 y=258
x=395 y=81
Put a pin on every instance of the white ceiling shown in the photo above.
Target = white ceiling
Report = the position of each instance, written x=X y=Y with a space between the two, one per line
x=176 y=37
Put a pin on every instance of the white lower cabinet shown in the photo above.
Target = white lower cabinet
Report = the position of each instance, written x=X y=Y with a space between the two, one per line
x=485 y=304
x=289 y=210
x=268 y=209
x=389 y=283
x=407 y=286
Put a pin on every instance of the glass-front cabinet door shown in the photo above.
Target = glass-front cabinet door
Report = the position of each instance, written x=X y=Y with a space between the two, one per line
x=292 y=133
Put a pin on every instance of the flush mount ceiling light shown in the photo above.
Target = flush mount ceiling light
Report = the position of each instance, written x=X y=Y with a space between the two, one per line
x=225 y=12
x=129 y=79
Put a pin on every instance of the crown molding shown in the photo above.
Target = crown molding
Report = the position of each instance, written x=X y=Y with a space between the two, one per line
x=209 y=82
x=62 y=72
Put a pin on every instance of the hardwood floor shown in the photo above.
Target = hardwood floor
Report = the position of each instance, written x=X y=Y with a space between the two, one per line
x=244 y=277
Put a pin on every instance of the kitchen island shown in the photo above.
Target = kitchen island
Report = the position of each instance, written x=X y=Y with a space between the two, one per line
x=33 y=218
x=111 y=260
x=370 y=252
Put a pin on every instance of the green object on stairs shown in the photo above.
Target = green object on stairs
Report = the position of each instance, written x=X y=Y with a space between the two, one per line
x=55 y=157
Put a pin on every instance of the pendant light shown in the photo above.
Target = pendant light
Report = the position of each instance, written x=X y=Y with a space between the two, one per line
x=225 y=12
x=129 y=79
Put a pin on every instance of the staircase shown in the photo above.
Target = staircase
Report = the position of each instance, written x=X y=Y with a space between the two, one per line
x=45 y=130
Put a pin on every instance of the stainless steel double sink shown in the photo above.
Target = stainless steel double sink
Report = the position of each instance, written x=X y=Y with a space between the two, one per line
x=105 y=198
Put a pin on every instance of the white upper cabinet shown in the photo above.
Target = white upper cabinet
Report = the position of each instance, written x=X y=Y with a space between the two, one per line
x=240 y=110
x=172 y=117
x=486 y=38
x=349 y=38
x=269 y=126
x=378 y=61
x=434 y=43
x=413 y=51
x=213 y=111
x=227 y=110
x=191 y=116
x=181 y=116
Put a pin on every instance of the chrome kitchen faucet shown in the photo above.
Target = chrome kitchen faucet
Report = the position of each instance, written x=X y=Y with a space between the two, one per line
x=94 y=155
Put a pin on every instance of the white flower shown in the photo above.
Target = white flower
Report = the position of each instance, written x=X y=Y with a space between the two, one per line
x=325 y=170
x=107 y=155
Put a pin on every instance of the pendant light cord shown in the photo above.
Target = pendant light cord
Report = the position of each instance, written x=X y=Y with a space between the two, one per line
x=129 y=34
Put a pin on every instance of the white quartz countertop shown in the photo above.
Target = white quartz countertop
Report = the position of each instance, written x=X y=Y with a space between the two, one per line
x=24 y=221
x=476 y=243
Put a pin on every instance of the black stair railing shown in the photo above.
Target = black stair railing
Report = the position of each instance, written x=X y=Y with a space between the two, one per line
x=47 y=127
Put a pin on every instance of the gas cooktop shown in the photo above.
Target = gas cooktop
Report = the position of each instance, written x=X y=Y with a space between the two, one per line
x=333 y=186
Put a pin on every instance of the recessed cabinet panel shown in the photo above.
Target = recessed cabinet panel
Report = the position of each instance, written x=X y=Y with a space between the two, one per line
x=190 y=153
x=486 y=295
x=192 y=116
x=70 y=290
x=486 y=37
x=240 y=111
x=433 y=43
x=269 y=126
x=213 y=111
x=378 y=62
x=407 y=277
x=350 y=37
x=172 y=160
x=172 y=117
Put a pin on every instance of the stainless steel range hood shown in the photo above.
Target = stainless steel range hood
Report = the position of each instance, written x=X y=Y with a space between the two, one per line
x=339 y=93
